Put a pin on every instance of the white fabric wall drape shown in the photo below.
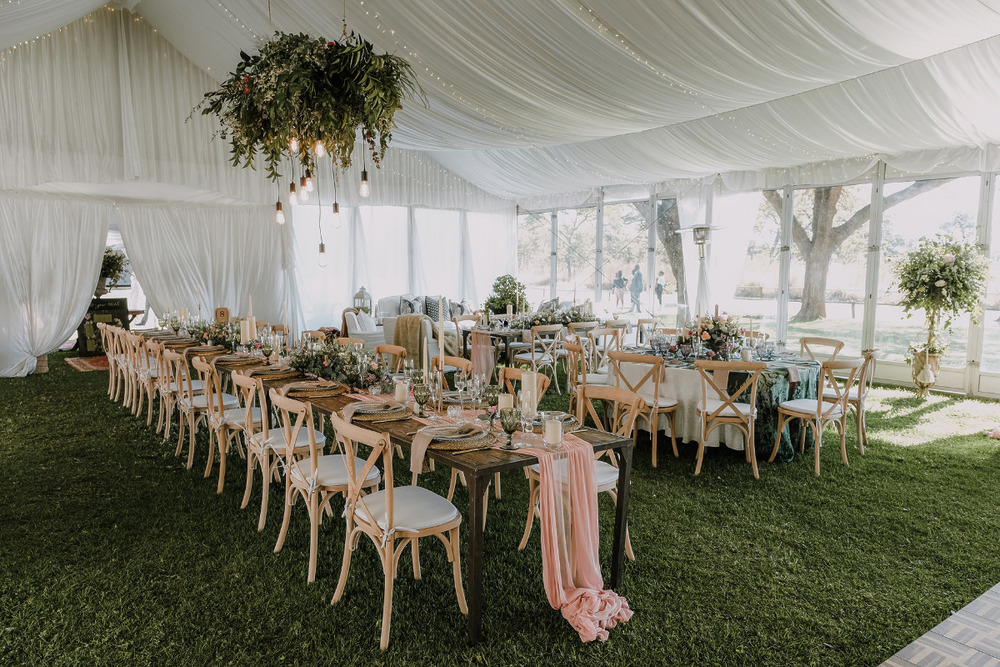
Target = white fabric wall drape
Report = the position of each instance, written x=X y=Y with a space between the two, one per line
x=50 y=259
x=219 y=254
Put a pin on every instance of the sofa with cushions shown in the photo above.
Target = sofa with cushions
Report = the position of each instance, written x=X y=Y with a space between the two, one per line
x=361 y=325
x=391 y=307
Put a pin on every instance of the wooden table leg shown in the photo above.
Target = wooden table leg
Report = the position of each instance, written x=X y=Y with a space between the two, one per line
x=474 y=591
x=624 y=456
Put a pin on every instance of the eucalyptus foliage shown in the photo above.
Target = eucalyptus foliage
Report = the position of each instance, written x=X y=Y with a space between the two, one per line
x=113 y=265
x=507 y=290
x=308 y=89
x=342 y=363
x=944 y=278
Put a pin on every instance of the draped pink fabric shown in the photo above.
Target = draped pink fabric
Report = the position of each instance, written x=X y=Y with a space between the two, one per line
x=570 y=566
x=483 y=359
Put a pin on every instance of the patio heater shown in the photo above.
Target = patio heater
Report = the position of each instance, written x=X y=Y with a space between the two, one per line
x=702 y=237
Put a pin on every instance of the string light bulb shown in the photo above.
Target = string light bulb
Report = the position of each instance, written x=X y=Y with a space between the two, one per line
x=303 y=190
x=279 y=215
x=293 y=198
x=293 y=145
x=365 y=189
x=336 y=215
x=322 y=254
x=320 y=149
x=309 y=181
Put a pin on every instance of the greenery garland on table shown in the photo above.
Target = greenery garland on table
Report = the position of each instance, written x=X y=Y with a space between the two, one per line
x=342 y=363
x=307 y=89
x=226 y=334
x=944 y=278
x=562 y=316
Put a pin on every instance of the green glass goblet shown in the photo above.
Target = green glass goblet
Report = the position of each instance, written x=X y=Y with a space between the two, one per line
x=421 y=394
x=510 y=421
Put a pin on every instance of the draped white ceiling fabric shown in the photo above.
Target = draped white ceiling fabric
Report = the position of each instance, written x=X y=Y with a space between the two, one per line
x=50 y=257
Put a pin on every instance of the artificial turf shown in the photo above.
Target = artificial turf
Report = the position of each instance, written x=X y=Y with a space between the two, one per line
x=111 y=552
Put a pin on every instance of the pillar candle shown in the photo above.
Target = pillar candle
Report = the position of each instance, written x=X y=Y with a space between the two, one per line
x=253 y=327
x=505 y=401
x=400 y=395
x=553 y=432
x=426 y=360
x=199 y=299
x=441 y=330
x=510 y=310
x=244 y=331
x=250 y=314
x=529 y=386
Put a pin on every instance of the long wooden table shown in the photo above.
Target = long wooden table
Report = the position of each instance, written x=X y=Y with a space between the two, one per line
x=479 y=468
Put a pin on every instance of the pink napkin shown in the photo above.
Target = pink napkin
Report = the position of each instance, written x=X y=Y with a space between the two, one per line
x=347 y=413
x=422 y=440
x=571 y=570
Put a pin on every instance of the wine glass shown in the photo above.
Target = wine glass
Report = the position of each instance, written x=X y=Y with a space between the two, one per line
x=510 y=421
x=491 y=395
x=162 y=321
x=421 y=394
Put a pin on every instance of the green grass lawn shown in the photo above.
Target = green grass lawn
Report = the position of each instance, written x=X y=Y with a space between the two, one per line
x=111 y=552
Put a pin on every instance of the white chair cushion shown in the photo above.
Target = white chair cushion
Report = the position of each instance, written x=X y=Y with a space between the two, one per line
x=199 y=401
x=235 y=416
x=830 y=394
x=607 y=474
x=661 y=402
x=537 y=357
x=331 y=470
x=276 y=438
x=594 y=378
x=807 y=406
x=195 y=386
x=713 y=404
x=414 y=508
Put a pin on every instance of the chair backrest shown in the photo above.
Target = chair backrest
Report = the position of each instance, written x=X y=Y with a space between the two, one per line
x=826 y=348
x=582 y=328
x=509 y=375
x=603 y=341
x=356 y=342
x=643 y=330
x=458 y=319
x=828 y=404
x=624 y=405
x=396 y=356
x=348 y=437
x=644 y=380
x=712 y=387
x=760 y=336
x=547 y=339
x=621 y=325
x=310 y=334
x=210 y=387
x=279 y=328
x=576 y=365
x=132 y=343
x=292 y=416
x=867 y=373
x=483 y=353
x=177 y=371
x=462 y=364
x=669 y=331
x=250 y=392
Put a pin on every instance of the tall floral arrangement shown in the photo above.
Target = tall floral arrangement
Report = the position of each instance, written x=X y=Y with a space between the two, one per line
x=226 y=334
x=299 y=90
x=507 y=291
x=717 y=333
x=943 y=278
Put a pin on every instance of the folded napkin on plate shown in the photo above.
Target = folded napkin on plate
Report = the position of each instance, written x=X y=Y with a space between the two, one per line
x=348 y=412
x=422 y=440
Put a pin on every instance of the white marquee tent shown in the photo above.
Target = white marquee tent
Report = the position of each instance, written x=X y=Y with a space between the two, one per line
x=531 y=103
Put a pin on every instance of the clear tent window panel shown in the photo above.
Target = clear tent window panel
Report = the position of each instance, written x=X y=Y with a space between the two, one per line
x=626 y=239
x=575 y=247
x=991 y=310
x=749 y=229
x=534 y=241
x=914 y=210
x=829 y=263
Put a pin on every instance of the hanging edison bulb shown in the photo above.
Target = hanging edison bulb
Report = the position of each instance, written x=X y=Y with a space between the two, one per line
x=336 y=215
x=279 y=215
x=365 y=189
x=293 y=145
x=309 y=181
x=320 y=148
x=322 y=254
x=303 y=190
x=293 y=198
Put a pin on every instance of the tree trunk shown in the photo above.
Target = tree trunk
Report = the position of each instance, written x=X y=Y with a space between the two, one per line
x=668 y=229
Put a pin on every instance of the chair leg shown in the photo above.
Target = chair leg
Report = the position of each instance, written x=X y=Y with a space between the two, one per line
x=312 y=505
x=415 y=548
x=345 y=566
x=290 y=499
x=842 y=427
x=672 y=423
x=223 y=450
x=191 y=436
x=817 y=441
x=265 y=471
x=149 y=416
x=532 y=499
x=751 y=449
x=181 y=423
x=389 y=566
x=213 y=435
x=782 y=421
x=249 y=485
x=456 y=567
x=653 y=423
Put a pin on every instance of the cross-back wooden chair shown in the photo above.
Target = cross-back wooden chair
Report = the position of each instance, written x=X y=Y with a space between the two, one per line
x=107 y=346
x=347 y=340
x=310 y=334
x=602 y=342
x=820 y=412
x=402 y=514
x=458 y=364
x=644 y=328
x=546 y=350
x=668 y=331
x=581 y=328
x=315 y=477
x=150 y=381
x=394 y=356
x=120 y=363
x=193 y=406
x=720 y=407
x=225 y=418
x=856 y=397
x=622 y=408
x=510 y=379
x=130 y=351
x=643 y=374
x=820 y=349
x=758 y=337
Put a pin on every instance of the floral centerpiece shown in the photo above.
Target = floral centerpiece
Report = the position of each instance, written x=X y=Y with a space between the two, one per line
x=718 y=334
x=562 y=316
x=302 y=97
x=342 y=363
x=507 y=291
x=943 y=278
x=226 y=334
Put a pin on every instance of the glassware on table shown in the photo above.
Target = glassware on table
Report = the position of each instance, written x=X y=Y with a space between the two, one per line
x=455 y=412
x=510 y=421
x=491 y=396
x=162 y=321
x=421 y=394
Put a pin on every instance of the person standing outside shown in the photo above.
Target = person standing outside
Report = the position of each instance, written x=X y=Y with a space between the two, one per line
x=660 y=281
x=619 y=287
x=636 y=288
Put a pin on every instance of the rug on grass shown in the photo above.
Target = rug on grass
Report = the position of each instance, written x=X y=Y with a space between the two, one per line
x=99 y=363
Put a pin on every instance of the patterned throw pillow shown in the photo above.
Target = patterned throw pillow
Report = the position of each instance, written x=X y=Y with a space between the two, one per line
x=412 y=306
x=431 y=307
x=462 y=308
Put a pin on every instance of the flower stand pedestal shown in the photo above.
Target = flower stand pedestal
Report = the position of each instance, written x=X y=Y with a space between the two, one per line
x=918 y=363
